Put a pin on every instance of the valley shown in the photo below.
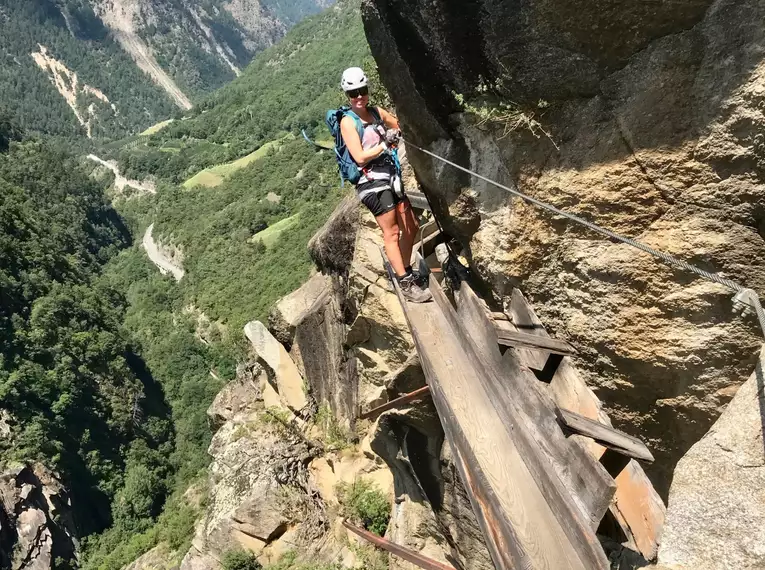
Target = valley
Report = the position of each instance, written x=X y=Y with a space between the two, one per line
x=197 y=328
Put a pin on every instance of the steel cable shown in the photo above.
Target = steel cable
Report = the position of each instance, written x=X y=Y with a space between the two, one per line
x=746 y=295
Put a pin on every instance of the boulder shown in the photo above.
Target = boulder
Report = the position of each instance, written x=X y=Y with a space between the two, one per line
x=716 y=513
x=644 y=117
x=36 y=523
x=287 y=378
x=374 y=397
x=289 y=310
x=407 y=378
x=261 y=516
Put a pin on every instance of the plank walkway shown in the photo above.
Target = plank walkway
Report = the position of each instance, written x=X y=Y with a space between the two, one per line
x=637 y=508
x=539 y=493
x=525 y=514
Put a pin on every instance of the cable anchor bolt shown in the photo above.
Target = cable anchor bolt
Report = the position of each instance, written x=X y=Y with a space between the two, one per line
x=746 y=301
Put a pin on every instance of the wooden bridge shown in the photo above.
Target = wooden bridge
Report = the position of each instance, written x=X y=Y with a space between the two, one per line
x=542 y=465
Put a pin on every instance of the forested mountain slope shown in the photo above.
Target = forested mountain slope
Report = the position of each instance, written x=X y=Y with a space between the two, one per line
x=70 y=383
x=242 y=243
x=108 y=365
x=286 y=88
x=235 y=269
x=107 y=68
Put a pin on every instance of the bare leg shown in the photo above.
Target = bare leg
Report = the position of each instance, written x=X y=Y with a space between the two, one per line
x=409 y=226
x=390 y=230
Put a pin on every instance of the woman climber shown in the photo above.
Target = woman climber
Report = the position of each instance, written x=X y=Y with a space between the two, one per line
x=368 y=133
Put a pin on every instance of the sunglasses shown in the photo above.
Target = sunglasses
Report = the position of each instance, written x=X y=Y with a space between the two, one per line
x=361 y=92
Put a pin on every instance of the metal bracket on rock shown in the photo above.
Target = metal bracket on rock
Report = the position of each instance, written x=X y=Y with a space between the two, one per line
x=747 y=297
x=750 y=301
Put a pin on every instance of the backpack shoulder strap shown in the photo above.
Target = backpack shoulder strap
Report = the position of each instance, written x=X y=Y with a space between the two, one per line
x=375 y=111
x=346 y=111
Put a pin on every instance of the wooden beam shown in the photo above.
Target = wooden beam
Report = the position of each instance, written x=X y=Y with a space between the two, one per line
x=638 y=508
x=584 y=479
x=605 y=435
x=556 y=349
x=417 y=395
x=401 y=551
x=525 y=340
x=489 y=450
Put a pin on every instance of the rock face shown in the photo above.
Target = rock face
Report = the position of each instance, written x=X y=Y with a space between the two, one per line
x=378 y=334
x=333 y=245
x=36 y=525
x=258 y=479
x=290 y=309
x=716 y=515
x=646 y=118
x=320 y=353
x=432 y=513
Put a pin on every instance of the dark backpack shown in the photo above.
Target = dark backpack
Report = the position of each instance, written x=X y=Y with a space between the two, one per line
x=349 y=170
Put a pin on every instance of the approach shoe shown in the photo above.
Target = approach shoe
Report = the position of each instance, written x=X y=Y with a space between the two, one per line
x=412 y=291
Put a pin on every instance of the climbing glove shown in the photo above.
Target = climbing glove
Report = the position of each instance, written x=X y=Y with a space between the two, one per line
x=392 y=137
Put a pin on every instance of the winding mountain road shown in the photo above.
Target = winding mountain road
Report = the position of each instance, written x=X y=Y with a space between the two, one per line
x=120 y=181
x=164 y=263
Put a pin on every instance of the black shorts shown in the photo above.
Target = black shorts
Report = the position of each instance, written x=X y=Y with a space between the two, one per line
x=382 y=202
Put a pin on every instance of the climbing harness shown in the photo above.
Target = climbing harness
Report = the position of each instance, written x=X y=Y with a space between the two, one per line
x=743 y=296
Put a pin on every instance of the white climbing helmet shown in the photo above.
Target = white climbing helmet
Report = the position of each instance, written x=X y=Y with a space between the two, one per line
x=353 y=78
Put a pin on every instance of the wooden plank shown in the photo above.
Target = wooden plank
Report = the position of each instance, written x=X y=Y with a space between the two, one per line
x=534 y=342
x=417 y=395
x=605 y=435
x=638 y=508
x=490 y=451
x=498 y=316
x=526 y=428
x=583 y=477
x=396 y=549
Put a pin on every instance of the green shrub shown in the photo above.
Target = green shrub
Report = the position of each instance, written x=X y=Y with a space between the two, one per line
x=240 y=560
x=370 y=558
x=364 y=503
x=333 y=434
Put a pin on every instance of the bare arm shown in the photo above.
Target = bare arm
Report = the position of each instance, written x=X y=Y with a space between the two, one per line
x=388 y=119
x=353 y=142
